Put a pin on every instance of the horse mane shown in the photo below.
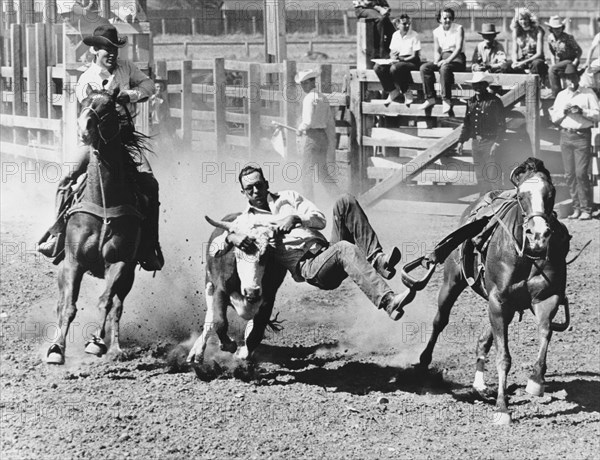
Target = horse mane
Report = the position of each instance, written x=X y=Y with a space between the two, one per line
x=531 y=165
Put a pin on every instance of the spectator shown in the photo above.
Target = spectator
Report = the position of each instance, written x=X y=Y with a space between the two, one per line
x=405 y=48
x=592 y=66
x=379 y=10
x=528 y=45
x=489 y=54
x=316 y=137
x=564 y=50
x=160 y=114
x=448 y=40
x=576 y=110
x=485 y=123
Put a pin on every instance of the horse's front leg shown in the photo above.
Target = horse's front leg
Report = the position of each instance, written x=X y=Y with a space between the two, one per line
x=123 y=288
x=484 y=343
x=544 y=312
x=500 y=318
x=69 y=282
x=96 y=345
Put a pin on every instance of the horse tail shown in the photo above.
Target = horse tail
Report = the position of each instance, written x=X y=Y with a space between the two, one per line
x=561 y=327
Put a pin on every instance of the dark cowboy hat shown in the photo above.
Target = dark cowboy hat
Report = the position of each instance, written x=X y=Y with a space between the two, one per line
x=105 y=35
x=488 y=29
x=571 y=70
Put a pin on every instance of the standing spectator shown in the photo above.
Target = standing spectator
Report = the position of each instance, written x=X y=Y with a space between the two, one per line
x=448 y=40
x=564 y=50
x=405 y=48
x=484 y=123
x=528 y=45
x=489 y=54
x=575 y=110
x=379 y=10
x=160 y=114
x=317 y=137
x=592 y=66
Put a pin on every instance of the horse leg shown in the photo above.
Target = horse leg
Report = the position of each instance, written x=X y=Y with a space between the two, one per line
x=544 y=312
x=500 y=319
x=123 y=288
x=69 y=282
x=453 y=285
x=483 y=348
x=96 y=345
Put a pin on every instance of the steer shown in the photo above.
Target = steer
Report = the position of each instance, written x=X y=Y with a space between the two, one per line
x=246 y=281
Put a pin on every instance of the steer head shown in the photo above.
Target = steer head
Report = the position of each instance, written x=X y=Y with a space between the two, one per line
x=250 y=265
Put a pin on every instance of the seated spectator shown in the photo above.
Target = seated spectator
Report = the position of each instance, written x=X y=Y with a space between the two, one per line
x=448 y=40
x=405 y=48
x=489 y=54
x=592 y=66
x=379 y=10
x=564 y=50
x=528 y=45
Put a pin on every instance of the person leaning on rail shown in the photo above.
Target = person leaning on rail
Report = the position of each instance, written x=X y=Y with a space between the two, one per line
x=354 y=250
x=107 y=72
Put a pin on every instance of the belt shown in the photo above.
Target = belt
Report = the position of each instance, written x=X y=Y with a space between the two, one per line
x=314 y=129
x=580 y=131
x=482 y=138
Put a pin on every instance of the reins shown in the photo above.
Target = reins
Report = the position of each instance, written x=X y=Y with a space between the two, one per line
x=105 y=220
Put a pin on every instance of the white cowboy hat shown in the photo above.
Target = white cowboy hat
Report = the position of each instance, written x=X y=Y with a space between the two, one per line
x=479 y=77
x=305 y=75
x=556 y=22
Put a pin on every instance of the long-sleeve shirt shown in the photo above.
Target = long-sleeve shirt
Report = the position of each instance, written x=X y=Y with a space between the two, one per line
x=564 y=47
x=126 y=76
x=294 y=245
x=484 y=117
x=582 y=97
x=488 y=56
x=316 y=114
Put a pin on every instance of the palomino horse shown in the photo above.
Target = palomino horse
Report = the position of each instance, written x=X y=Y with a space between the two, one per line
x=103 y=230
x=525 y=268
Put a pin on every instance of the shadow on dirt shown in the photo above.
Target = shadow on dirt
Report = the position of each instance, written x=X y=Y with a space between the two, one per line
x=583 y=392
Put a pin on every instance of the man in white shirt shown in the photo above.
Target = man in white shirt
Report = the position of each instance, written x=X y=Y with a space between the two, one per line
x=575 y=110
x=109 y=73
x=317 y=137
x=354 y=250
x=404 y=48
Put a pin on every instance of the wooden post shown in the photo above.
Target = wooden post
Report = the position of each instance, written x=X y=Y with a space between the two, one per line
x=160 y=70
x=193 y=25
x=36 y=71
x=365 y=46
x=325 y=78
x=356 y=96
x=9 y=14
x=225 y=24
x=220 y=104
x=504 y=24
x=532 y=112
x=247 y=48
x=163 y=26
x=291 y=93
x=26 y=13
x=274 y=30
x=317 y=30
x=472 y=11
x=254 y=28
x=254 y=105
x=346 y=28
x=17 y=66
x=50 y=13
x=51 y=92
x=186 y=102
x=105 y=9
x=69 y=115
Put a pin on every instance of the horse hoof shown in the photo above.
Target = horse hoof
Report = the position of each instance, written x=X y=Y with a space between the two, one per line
x=95 y=347
x=502 y=418
x=534 y=388
x=55 y=355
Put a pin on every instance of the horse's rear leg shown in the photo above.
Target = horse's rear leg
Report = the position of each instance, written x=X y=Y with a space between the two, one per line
x=69 y=282
x=483 y=348
x=544 y=312
x=452 y=287
x=96 y=345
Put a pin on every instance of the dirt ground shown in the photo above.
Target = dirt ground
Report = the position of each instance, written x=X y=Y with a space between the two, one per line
x=336 y=383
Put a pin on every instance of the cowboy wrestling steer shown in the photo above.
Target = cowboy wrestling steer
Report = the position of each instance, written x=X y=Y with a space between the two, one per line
x=247 y=280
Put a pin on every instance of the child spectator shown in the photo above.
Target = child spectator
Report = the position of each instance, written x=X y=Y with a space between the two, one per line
x=489 y=54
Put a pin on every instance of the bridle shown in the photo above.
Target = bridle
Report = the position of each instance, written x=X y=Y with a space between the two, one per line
x=102 y=119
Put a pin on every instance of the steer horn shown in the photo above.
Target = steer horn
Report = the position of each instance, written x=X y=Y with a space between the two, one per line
x=219 y=223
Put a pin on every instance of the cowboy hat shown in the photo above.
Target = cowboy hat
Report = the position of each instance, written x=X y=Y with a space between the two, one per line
x=305 y=75
x=105 y=35
x=556 y=22
x=488 y=29
x=479 y=77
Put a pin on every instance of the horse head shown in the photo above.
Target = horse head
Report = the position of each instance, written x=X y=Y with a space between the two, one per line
x=250 y=265
x=98 y=122
x=535 y=195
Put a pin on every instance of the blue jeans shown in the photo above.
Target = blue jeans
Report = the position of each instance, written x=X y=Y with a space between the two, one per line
x=555 y=75
x=446 y=76
x=354 y=244
x=577 y=156
x=396 y=76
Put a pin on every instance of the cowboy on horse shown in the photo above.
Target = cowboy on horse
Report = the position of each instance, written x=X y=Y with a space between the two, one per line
x=109 y=73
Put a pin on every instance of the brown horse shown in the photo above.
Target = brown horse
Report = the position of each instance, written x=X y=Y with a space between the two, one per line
x=103 y=229
x=525 y=268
